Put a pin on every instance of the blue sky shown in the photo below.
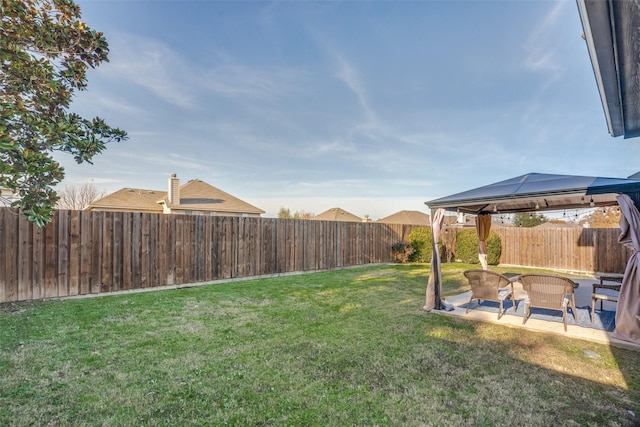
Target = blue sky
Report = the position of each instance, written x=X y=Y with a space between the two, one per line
x=371 y=106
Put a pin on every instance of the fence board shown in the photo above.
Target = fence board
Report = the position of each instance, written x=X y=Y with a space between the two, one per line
x=25 y=259
x=127 y=251
x=281 y=246
x=208 y=251
x=163 y=249
x=199 y=249
x=190 y=249
x=290 y=252
x=10 y=239
x=241 y=243
x=63 y=253
x=227 y=247
x=85 y=252
x=74 y=253
x=145 y=251
x=38 y=262
x=95 y=274
x=136 y=251
x=215 y=248
x=3 y=255
x=107 y=267
x=116 y=253
x=51 y=258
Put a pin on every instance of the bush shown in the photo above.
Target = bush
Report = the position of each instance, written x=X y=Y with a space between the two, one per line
x=467 y=247
x=420 y=239
x=494 y=248
x=402 y=251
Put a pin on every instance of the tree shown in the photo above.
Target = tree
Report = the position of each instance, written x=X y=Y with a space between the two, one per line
x=45 y=51
x=302 y=214
x=526 y=219
x=76 y=198
x=284 y=213
x=604 y=218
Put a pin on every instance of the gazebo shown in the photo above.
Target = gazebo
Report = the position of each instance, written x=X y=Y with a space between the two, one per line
x=546 y=192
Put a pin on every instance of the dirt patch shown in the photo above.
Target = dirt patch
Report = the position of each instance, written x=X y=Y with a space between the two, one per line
x=13 y=308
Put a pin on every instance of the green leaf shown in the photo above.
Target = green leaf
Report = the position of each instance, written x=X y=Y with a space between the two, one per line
x=45 y=50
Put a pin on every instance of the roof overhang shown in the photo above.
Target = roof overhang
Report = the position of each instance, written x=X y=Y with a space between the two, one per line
x=612 y=32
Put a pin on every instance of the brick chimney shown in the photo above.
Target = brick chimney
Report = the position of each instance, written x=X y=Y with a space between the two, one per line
x=174 y=190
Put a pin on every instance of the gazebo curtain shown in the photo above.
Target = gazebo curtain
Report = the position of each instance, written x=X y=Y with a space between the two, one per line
x=434 y=285
x=628 y=309
x=483 y=227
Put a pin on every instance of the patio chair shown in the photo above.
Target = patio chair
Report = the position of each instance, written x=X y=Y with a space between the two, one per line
x=490 y=286
x=550 y=292
x=605 y=292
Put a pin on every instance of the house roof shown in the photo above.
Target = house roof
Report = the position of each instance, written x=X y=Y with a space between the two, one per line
x=536 y=191
x=407 y=217
x=337 y=214
x=195 y=195
x=612 y=32
x=130 y=199
x=199 y=196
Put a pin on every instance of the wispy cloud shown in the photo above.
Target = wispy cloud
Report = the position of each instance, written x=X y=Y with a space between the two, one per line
x=350 y=77
x=174 y=160
x=335 y=146
x=541 y=45
x=119 y=105
x=236 y=80
x=152 y=65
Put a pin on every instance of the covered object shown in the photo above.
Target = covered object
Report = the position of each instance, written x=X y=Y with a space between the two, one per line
x=544 y=192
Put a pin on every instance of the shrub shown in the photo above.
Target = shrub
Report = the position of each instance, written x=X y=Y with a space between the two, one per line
x=420 y=238
x=402 y=251
x=467 y=247
x=494 y=248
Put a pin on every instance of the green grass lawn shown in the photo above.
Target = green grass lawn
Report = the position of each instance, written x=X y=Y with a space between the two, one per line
x=348 y=347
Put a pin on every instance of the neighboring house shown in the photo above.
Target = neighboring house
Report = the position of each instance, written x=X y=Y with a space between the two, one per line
x=408 y=218
x=193 y=198
x=337 y=214
x=460 y=220
x=7 y=197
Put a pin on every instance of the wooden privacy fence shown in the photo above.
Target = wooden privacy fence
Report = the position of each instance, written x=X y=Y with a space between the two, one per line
x=94 y=252
x=564 y=248
x=97 y=252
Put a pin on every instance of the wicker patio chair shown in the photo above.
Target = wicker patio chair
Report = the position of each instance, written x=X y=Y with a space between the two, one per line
x=605 y=292
x=490 y=286
x=548 y=291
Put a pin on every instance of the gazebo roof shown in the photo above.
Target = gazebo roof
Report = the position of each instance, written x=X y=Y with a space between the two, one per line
x=536 y=191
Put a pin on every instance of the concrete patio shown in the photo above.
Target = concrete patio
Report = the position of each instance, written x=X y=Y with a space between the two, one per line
x=583 y=298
